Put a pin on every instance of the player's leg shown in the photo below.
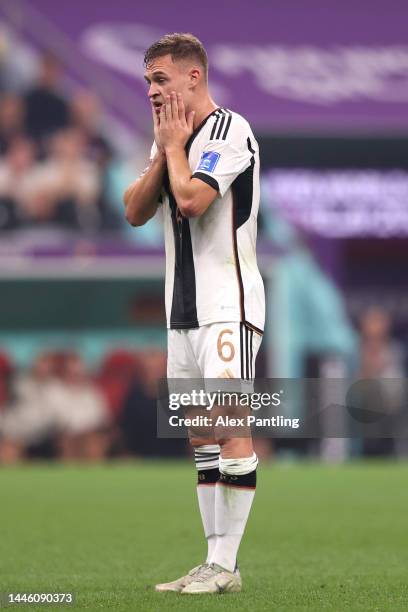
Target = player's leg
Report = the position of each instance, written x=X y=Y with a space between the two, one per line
x=235 y=489
x=234 y=495
x=207 y=455
x=181 y=364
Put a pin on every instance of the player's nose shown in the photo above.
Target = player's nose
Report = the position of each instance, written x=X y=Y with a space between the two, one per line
x=153 y=91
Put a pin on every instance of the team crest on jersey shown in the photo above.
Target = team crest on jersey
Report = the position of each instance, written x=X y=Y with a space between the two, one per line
x=208 y=161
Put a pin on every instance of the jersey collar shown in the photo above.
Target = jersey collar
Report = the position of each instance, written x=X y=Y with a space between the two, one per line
x=198 y=128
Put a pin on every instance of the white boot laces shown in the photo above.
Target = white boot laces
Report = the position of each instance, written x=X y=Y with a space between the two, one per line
x=206 y=573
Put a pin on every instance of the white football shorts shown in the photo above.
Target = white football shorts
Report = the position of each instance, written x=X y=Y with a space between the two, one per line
x=217 y=350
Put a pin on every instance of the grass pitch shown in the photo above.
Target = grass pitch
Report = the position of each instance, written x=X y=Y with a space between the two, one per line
x=319 y=538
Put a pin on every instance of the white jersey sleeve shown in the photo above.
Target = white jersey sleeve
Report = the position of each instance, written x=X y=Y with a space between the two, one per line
x=225 y=155
x=153 y=151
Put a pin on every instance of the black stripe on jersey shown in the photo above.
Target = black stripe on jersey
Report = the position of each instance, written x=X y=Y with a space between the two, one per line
x=210 y=180
x=184 y=305
x=254 y=328
x=221 y=126
x=251 y=339
x=236 y=257
x=183 y=308
x=224 y=136
x=246 y=353
x=242 y=194
x=214 y=127
x=190 y=141
x=243 y=188
x=246 y=339
x=241 y=350
x=250 y=146
x=245 y=346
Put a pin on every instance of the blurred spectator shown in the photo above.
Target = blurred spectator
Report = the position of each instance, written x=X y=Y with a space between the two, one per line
x=31 y=420
x=16 y=181
x=85 y=109
x=11 y=119
x=65 y=187
x=83 y=415
x=59 y=167
x=139 y=415
x=6 y=377
x=46 y=108
x=119 y=369
x=55 y=410
x=17 y=61
x=380 y=355
x=86 y=117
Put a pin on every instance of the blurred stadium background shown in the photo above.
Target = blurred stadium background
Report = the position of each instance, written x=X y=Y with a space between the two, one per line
x=82 y=329
x=82 y=334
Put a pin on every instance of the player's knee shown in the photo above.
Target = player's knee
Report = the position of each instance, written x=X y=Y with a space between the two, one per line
x=196 y=441
x=236 y=447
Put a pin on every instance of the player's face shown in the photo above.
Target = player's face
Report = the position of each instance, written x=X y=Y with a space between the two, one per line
x=164 y=76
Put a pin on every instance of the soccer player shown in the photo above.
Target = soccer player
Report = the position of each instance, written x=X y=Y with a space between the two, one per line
x=204 y=179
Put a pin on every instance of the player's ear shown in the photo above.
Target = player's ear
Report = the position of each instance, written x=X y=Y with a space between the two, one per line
x=194 y=76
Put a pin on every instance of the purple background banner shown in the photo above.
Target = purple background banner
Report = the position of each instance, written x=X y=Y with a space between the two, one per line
x=317 y=65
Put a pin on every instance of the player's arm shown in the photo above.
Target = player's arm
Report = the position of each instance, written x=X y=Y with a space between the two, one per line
x=193 y=196
x=141 y=198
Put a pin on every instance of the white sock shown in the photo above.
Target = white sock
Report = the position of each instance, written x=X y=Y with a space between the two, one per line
x=207 y=458
x=234 y=494
x=206 y=501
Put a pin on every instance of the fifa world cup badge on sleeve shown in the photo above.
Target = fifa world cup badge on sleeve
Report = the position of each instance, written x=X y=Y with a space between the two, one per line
x=208 y=161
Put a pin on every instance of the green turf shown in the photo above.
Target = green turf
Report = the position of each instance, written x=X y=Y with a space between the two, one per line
x=319 y=538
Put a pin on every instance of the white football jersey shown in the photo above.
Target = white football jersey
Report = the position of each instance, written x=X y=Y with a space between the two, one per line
x=211 y=268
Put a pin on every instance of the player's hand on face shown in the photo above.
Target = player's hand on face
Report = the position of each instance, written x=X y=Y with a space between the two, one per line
x=175 y=128
x=156 y=129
